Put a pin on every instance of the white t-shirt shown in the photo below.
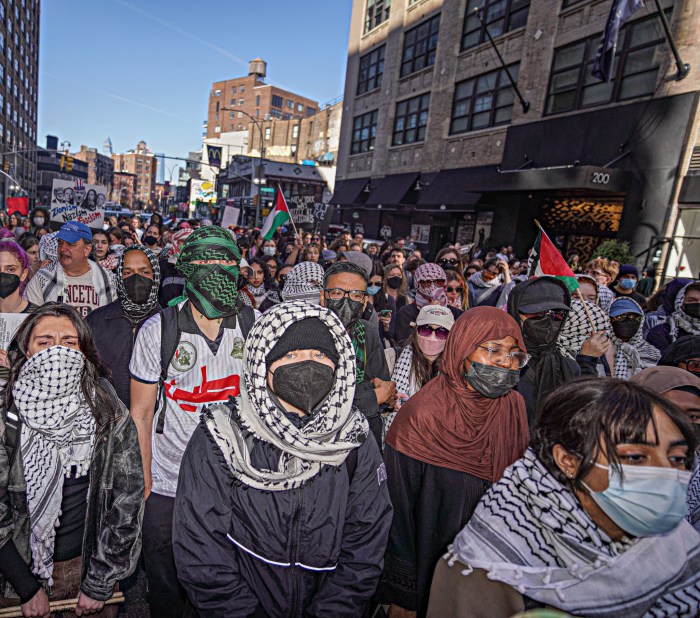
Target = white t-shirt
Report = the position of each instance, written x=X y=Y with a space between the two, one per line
x=78 y=292
x=196 y=378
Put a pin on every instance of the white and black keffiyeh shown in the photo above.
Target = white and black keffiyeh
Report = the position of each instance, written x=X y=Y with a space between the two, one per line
x=48 y=247
x=531 y=533
x=479 y=282
x=304 y=282
x=335 y=428
x=56 y=439
x=605 y=297
x=405 y=383
x=134 y=312
x=634 y=355
x=680 y=319
x=577 y=327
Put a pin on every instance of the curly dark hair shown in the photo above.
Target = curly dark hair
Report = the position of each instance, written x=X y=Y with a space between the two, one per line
x=100 y=400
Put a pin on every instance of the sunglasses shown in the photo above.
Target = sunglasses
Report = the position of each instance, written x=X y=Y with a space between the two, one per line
x=450 y=261
x=426 y=330
x=558 y=315
x=440 y=283
x=633 y=317
x=459 y=290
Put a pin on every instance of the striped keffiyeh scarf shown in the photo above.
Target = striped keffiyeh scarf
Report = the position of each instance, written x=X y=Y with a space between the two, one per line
x=335 y=428
x=56 y=440
x=550 y=550
x=681 y=320
x=633 y=356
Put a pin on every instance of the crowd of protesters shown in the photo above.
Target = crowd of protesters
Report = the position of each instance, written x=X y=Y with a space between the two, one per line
x=215 y=423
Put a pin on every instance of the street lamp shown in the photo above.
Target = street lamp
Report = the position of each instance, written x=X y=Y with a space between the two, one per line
x=261 y=172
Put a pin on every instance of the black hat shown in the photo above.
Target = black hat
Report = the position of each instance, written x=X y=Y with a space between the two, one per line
x=307 y=334
x=543 y=294
x=681 y=351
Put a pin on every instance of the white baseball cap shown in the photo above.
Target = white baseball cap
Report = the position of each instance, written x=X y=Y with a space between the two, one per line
x=436 y=315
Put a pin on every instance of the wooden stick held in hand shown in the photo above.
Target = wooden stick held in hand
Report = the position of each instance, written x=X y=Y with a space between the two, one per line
x=58 y=606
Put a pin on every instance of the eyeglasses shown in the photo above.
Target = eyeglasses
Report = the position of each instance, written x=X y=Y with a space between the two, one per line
x=436 y=282
x=426 y=330
x=338 y=294
x=558 y=315
x=459 y=290
x=501 y=356
x=693 y=365
x=450 y=261
x=632 y=317
x=316 y=239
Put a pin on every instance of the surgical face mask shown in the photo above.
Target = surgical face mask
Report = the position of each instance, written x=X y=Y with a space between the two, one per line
x=8 y=284
x=372 y=290
x=490 y=381
x=692 y=310
x=394 y=282
x=304 y=384
x=541 y=331
x=628 y=284
x=431 y=346
x=625 y=329
x=349 y=311
x=138 y=288
x=646 y=500
x=150 y=241
x=269 y=251
x=39 y=221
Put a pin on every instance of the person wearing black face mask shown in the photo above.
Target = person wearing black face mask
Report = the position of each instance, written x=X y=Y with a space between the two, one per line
x=345 y=294
x=632 y=353
x=540 y=306
x=151 y=237
x=309 y=494
x=115 y=326
x=685 y=319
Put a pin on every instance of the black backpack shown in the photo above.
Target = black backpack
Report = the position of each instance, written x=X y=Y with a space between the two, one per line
x=170 y=339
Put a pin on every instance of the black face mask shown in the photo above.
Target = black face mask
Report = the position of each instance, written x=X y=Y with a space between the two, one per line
x=349 y=311
x=692 y=310
x=8 y=284
x=303 y=384
x=138 y=288
x=541 y=331
x=490 y=381
x=626 y=329
x=150 y=241
x=394 y=282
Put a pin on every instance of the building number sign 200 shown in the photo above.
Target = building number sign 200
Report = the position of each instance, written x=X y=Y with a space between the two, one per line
x=600 y=178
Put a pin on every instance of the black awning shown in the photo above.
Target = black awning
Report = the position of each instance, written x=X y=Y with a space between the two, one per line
x=690 y=190
x=391 y=189
x=588 y=177
x=451 y=187
x=347 y=191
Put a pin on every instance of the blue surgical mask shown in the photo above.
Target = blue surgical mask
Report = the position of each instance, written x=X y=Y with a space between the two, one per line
x=628 y=284
x=373 y=289
x=646 y=501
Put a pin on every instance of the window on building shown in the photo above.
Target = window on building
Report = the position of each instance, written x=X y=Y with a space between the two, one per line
x=216 y=116
x=419 y=46
x=300 y=107
x=233 y=102
x=277 y=101
x=217 y=92
x=310 y=111
x=257 y=113
x=640 y=49
x=364 y=132
x=241 y=101
x=2 y=103
x=231 y=115
x=9 y=56
x=240 y=114
x=2 y=42
x=217 y=106
x=411 y=120
x=295 y=131
x=371 y=70
x=217 y=129
x=290 y=104
x=2 y=73
x=267 y=133
x=376 y=12
x=483 y=101
x=2 y=14
x=233 y=90
x=257 y=100
x=500 y=16
x=242 y=89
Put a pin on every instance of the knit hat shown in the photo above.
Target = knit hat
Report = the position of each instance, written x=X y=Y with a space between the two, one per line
x=628 y=269
x=624 y=305
x=308 y=334
x=437 y=315
x=304 y=282
x=358 y=259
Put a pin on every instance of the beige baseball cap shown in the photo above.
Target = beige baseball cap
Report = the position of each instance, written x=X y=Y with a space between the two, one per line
x=436 y=315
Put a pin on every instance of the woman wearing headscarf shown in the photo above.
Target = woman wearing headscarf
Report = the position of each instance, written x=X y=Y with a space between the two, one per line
x=137 y=283
x=451 y=440
x=304 y=282
x=590 y=521
x=632 y=353
x=685 y=319
x=661 y=305
x=540 y=306
x=684 y=352
x=588 y=344
x=430 y=281
x=282 y=505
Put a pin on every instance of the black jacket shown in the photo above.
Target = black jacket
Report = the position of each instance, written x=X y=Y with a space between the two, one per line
x=312 y=551
x=408 y=314
x=114 y=337
x=660 y=336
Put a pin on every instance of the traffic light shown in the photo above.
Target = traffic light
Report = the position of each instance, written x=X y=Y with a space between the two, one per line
x=69 y=164
x=6 y=167
x=62 y=163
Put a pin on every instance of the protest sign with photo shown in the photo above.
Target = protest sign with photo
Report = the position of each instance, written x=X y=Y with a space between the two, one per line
x=9 y=323
x=73 y=200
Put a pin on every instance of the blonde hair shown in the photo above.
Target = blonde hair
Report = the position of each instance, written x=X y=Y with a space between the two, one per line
x=604 y=265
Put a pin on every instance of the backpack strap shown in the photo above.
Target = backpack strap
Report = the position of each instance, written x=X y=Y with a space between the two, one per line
x=351 y=463
x=169 y=340
x=247 y=320
x=12 y=432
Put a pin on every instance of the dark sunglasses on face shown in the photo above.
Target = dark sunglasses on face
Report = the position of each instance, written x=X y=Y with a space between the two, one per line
x=633 y=317
x=558 y=315
x=440 y=283
x=459 y=290
x=426 y=330
x=450 y=261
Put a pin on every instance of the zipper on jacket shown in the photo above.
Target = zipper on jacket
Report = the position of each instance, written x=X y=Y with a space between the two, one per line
x=296 y=516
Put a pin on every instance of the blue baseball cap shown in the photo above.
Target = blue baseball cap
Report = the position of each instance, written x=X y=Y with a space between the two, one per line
x=73 y=231
x=624 y=305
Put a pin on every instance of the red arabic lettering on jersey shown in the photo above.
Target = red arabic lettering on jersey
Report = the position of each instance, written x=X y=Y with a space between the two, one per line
x=206 y=392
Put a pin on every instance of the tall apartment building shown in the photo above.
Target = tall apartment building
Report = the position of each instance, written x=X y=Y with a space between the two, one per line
x=435 y=142
x=19 y=79
x=142 y=163
x=100 y=167
x=252 y=95
x=124 y=188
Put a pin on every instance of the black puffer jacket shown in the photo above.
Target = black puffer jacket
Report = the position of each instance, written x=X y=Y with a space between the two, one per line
x=312 y=551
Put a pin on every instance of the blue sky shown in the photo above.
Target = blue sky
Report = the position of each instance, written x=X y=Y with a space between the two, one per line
x=142 y=69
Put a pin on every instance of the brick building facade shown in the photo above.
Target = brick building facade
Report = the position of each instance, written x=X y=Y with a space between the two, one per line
x=124 y=188
x=100 y=167
x=142 y=163
x=435 y=136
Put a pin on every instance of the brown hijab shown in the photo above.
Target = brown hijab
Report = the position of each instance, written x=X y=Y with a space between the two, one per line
x=448 y=425
x=664 y=379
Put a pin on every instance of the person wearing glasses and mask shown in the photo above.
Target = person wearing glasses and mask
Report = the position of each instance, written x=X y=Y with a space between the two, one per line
x=452 y=439
x=685 y=319
x=345 y=294
x=595 y=522
x=632 y=353
x=540 y=306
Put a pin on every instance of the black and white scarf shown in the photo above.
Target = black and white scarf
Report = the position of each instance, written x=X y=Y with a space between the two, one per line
x=577 y=327
x=56 y=440
x=134 y=312
x=335 y=428
x=531 y=533
x=405 y=383
x=634 y=355
x=479 y=282
x=680 y=320
x=304 y=282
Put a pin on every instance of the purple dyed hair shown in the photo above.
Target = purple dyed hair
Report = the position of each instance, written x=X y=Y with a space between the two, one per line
x=12 y=247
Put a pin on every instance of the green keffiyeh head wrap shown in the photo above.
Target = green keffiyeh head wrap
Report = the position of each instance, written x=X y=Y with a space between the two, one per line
x=211 y=288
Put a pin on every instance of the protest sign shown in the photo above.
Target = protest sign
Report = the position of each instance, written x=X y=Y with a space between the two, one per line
x=73 y=200
x=230 y=217
x=9 y=323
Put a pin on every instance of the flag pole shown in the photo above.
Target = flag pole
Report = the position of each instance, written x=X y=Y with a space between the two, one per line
x=296 y=232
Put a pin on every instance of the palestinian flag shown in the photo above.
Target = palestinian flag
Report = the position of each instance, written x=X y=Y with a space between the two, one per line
x=546 y=260
x=277 y=217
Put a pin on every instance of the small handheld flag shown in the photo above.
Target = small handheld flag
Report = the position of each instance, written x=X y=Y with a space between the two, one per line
x=546 y=260
x=277 y=217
